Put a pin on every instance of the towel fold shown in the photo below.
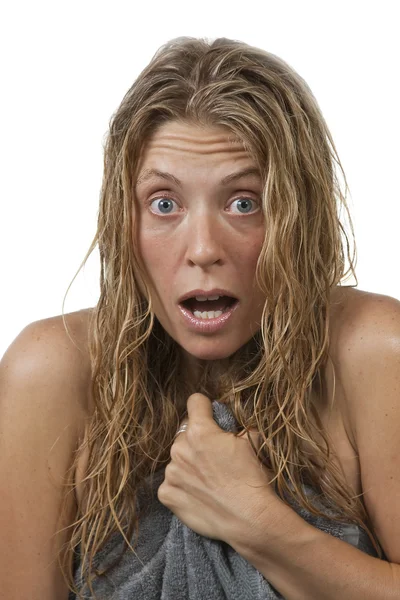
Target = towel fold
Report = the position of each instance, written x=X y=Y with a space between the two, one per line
x=175 y=563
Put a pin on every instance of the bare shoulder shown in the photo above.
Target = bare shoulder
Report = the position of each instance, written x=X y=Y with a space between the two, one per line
x=360 y=319
x=365 y=327
x=45 y=378
x=367 y=360
x=44 y=382
x=52 y=350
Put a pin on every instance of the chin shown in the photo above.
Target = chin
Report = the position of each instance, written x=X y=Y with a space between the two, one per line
x=207 y=356
x=210 y=351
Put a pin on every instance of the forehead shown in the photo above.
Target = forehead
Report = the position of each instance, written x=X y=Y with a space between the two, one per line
x=188 y=140
x=182 y=150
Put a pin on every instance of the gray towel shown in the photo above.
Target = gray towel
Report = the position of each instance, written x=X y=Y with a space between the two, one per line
x=175 y=563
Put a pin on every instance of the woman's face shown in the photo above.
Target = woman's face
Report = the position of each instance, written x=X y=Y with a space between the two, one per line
x=201 y=229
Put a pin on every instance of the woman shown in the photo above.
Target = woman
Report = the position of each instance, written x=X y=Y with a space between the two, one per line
x=224 y=423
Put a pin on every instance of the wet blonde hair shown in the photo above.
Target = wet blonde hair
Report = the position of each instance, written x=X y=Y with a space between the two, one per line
x=138 y=402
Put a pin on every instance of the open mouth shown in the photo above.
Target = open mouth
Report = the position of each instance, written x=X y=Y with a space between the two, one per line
x=209 y=309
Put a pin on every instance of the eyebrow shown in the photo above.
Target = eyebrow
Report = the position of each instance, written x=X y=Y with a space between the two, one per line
x=150 y=173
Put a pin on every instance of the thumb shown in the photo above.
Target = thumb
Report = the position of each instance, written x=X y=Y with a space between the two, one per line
x=199 y=408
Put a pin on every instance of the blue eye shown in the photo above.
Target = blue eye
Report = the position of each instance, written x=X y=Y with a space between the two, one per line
x=244 y=205
x=164 y=205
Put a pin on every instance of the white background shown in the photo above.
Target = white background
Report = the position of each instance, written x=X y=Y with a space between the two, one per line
x=65 y=68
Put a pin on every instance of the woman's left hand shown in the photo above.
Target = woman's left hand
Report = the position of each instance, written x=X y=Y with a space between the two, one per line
x=214 y=483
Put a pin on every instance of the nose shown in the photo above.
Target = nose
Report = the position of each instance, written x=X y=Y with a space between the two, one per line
x=204 y=240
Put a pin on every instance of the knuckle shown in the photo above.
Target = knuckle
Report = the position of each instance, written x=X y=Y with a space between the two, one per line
x=175 y=453
x=162 y=493
x=170 y=473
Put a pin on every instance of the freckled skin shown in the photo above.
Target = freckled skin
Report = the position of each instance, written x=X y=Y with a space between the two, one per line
x=205 y=241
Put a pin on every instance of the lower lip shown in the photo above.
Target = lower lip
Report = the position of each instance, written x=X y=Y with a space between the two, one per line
x=207 y=325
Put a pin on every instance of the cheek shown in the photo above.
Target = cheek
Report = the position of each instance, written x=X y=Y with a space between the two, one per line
x=158 y=264
x=149 y=255
x=151 y=249
x=151 y=252
x=248 y=254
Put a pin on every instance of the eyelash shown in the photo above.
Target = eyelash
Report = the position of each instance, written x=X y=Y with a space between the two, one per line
x=166 y=197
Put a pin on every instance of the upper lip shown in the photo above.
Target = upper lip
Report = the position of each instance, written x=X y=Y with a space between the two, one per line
x=213 y=292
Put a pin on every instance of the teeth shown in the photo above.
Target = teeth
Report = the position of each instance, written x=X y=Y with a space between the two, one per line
x=211 y=314
x=204 y=298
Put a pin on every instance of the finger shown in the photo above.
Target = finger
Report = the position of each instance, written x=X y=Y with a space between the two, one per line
x=199 y=408
x=183 y=422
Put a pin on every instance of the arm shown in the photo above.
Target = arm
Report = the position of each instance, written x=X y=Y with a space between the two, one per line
x=40 y=391
x=304 y=563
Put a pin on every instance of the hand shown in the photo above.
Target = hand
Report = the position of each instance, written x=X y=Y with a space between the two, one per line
x=214 y=483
